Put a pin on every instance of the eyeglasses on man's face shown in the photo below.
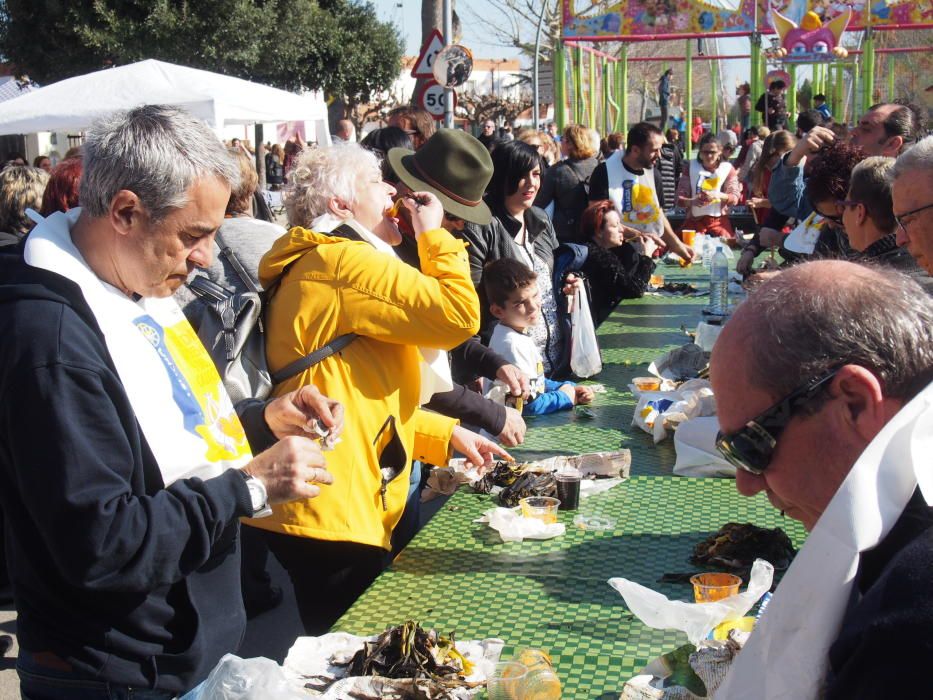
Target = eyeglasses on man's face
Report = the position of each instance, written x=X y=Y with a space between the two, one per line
x=751 y=447
x=908 y=217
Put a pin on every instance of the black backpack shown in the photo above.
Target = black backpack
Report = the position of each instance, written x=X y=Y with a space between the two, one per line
x=230 y=325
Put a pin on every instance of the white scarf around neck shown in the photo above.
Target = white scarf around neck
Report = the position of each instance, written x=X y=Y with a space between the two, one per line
x=786 y=657
x=175 y=391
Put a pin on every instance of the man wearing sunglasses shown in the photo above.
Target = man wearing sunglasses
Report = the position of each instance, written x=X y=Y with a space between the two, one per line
x=807 y=374
x=912 y=194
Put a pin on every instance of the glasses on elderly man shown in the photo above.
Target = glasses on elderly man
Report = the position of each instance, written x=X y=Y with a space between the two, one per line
x=751 y=448
x=899 y=218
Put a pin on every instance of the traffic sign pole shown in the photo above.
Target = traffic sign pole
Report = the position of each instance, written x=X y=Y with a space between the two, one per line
x=449 y=39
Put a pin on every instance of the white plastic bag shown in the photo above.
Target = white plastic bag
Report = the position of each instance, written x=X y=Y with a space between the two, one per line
x=585 y=360
x=696 y=620
x=248 y=679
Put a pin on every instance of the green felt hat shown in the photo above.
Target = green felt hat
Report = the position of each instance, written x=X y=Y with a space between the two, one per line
x=452 y=165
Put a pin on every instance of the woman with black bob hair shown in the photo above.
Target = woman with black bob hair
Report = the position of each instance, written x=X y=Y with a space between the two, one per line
x=380 y=141
x=520 y=231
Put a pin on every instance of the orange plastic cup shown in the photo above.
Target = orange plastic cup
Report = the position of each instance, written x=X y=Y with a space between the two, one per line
x=689 y=236
x=708 y=588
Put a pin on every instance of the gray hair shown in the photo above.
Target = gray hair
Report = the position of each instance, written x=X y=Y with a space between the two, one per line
x=918 y=157
x=154 y=151
x=823 y=314
x=321 y=174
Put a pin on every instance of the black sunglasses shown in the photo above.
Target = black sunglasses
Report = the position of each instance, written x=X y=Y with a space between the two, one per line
x=751 y=447
x=835 y=218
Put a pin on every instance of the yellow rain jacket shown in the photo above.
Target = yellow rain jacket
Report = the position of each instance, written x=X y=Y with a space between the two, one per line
x=334 y=286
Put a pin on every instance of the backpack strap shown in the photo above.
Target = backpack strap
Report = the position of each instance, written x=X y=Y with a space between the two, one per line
x=334 y=346
x=301 y=364
x=237 y=266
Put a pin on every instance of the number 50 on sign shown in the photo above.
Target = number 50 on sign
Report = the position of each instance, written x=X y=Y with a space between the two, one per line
x=434 y=99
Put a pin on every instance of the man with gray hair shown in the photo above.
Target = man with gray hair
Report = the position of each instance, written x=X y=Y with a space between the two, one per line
x=825 y=403
x=124 y=468
x=912 y=194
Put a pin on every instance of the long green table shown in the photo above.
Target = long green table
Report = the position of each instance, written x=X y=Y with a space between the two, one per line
x=456 y=575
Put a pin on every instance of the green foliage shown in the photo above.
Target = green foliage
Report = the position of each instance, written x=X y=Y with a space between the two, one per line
x=338 y=46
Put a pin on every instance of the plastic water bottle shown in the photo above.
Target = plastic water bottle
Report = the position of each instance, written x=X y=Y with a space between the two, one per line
x=719 y=283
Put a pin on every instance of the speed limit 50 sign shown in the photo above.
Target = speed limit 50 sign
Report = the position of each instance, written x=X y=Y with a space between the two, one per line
x=434 y=99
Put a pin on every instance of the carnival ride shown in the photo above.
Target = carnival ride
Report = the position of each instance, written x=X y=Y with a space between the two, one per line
x=592 y=86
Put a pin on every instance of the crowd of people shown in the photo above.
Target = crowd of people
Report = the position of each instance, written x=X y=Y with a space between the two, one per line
x=414 y=306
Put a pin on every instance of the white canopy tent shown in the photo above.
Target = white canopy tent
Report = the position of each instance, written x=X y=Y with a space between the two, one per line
x=220 y=100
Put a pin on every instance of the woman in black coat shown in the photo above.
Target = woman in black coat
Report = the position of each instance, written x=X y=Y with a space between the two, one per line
x=618 y=262
x=567 y=183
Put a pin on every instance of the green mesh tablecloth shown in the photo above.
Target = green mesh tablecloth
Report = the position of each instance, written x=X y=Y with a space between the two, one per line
x=458 y=576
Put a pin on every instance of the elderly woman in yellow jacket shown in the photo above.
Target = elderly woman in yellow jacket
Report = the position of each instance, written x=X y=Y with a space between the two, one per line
x=340 y=276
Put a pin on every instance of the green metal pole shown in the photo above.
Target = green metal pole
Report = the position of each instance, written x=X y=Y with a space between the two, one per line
x=792 y=99
x=593 y=84
x=839 y=83
x=577 y=83
x=754 y=74
x=891 y=87
x=868 y=92
x=714 y=79
x=623 y=90
x=560 y=86
x=856 y=86
x=607 y=99
x=688 y=98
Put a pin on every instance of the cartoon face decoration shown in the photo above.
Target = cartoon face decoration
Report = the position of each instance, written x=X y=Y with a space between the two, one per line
x=812 y=40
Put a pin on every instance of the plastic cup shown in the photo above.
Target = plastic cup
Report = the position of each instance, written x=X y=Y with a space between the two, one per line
x=507 y=681
x=647 y=383
x=542 y=508
x=708 y=588
x=568 y=489
x=689 y=236
x=542 y=682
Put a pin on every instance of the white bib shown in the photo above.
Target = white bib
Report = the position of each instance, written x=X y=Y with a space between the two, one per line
x=634 y=196
x=176 y=393
x=711 y=182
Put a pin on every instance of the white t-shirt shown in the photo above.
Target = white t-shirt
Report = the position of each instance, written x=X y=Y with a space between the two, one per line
x=634 y=195
x=520 y=350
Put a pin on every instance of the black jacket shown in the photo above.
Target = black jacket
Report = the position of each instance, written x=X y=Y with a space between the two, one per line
x=885 y=648
x=567 y=184
x=885 y=251
x=497 y=240
x=614 y=275
x=126 y=580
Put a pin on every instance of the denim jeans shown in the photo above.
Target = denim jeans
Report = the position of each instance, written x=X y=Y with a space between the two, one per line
x=40 y=683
